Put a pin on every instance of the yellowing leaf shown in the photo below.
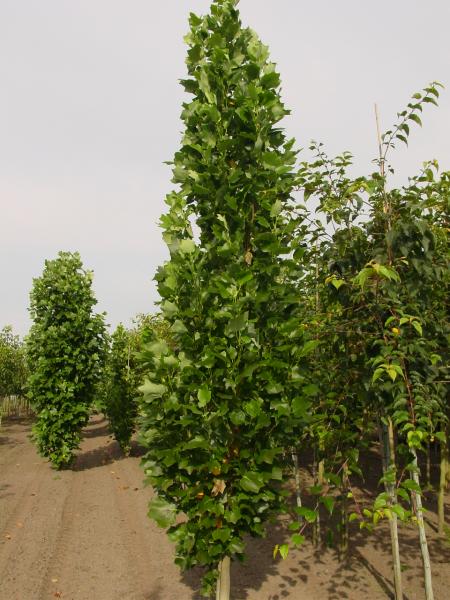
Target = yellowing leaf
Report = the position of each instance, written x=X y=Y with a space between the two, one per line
x=219 y=487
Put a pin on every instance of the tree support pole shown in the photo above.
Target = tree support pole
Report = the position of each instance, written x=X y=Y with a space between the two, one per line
x=417 y=503
x=223 y=582
x=388 y=461
x=444 y=465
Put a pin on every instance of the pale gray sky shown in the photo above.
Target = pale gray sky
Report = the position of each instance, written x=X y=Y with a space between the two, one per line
x=90 y=104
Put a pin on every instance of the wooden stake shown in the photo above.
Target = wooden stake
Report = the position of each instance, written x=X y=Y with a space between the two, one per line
x=223 y=582
x=298 y=490
x=442 y=486
x=417 y=504
x=388 y=462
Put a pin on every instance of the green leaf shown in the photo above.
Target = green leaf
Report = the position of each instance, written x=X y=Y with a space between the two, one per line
x=415 y=118
x=179 y=327
x=270 y=80
x=204 y=396
x=380 y=501
x=163 y=512
x=297 y=539
x=187 y=246
x=399 y=511
x=238 y=323
x=307 y=513
x=411 y=485
x=152 y=390
x=284 y=551
x=309 y=347
x=328 y=502
x=392 y=373
x=377 y=374
x=276 y=208
x=300 y=406
x=337 y=283
x=197 y=441
x=252 y=482
x=417 y=326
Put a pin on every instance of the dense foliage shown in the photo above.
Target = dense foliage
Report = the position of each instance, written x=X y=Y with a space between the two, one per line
x=216 y=403
x=292 y=327
x=65 y=348
x=13 y=368
x=122 y=377
x=381 y=313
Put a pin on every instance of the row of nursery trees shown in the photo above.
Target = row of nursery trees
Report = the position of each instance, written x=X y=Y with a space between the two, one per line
x=307 y=309
x=304 y=321
x=13 y=373
x=75 y=365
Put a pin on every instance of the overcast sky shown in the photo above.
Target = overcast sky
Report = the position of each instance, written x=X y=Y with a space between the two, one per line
x=90 y=105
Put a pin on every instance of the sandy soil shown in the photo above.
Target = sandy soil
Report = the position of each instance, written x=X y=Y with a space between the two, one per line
x=83 y=534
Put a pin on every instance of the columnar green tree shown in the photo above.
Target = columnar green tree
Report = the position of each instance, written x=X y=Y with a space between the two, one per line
x=121 y=382
x=65 y=349
x=217 y=402
x=12 y=363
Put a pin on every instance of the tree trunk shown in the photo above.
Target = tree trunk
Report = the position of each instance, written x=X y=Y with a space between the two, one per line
x=387 y=448
x=417 y=504
x=223 y=582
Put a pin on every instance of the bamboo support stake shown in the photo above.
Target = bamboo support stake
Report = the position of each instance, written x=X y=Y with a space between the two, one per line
x=387 y=448
x=223 y=582
x=317 y=537
x=387 y=431
x=298 y=489
x=417 y=503
x=394 y=535
x=344 y=515
x=428 y=473
x=444 y=465
x=320 y=481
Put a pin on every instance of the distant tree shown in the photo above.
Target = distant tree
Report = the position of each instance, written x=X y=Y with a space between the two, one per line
x=66 y=348
x=121 y=382
x=13 y=372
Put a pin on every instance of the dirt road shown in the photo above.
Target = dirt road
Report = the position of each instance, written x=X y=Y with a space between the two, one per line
x=83 y=534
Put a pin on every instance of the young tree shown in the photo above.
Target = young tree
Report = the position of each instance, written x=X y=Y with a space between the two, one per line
x=65 y=349
x=122 y=378
x=12 y=363
x=386 y=293
x=216 y=404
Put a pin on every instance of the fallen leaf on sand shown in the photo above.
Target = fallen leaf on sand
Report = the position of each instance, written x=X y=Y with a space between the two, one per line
x=7 y=536
x=54 y=580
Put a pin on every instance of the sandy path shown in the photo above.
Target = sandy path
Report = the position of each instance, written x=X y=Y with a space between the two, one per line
x=80 y=534
x=84 y=535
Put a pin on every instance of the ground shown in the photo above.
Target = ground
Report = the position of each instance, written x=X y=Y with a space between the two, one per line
x=83 y=534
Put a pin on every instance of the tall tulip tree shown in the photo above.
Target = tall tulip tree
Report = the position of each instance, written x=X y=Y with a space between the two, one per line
x=216 y=403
